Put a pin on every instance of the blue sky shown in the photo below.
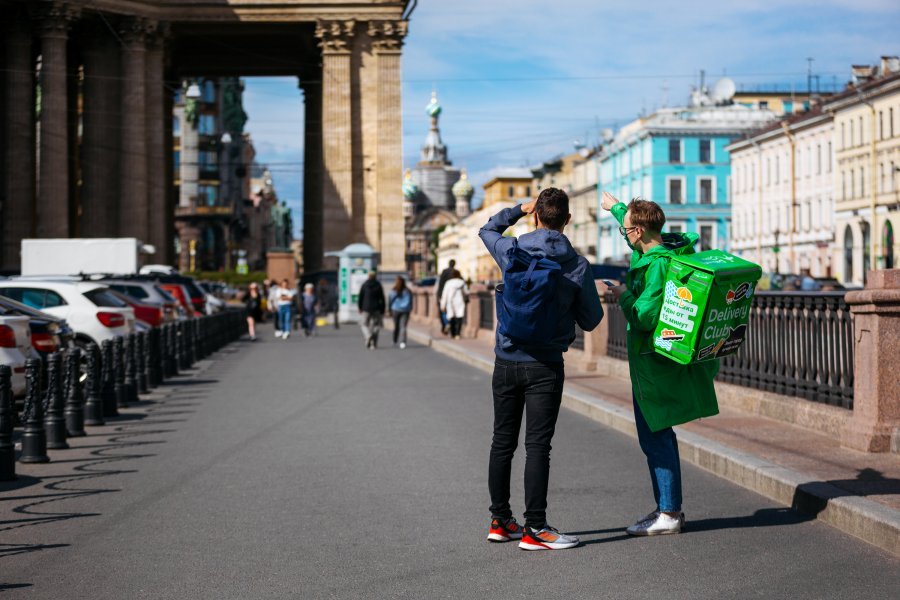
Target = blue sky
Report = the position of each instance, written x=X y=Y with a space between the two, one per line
x=521 y=80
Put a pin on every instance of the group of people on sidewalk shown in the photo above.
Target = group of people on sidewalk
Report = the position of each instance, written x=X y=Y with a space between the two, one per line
x=372 y=305
x=529 y=344
x=452 y=293
x=283 y=303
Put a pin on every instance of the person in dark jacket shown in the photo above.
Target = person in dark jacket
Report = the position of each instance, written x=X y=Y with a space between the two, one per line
x=328 y=300
x=530 y=378
x=253 y=304
x=371 y=309
x=446 y=274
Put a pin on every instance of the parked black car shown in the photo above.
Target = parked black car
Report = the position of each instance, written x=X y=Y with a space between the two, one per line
x=48 y=333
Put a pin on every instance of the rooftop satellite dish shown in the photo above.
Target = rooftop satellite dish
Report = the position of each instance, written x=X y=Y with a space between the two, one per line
x=723 y=90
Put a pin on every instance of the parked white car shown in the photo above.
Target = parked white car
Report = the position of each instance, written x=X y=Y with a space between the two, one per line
x=15 y=348
x=91 y=310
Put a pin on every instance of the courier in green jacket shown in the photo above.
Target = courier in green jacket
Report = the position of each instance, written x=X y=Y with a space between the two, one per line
x=665 y=393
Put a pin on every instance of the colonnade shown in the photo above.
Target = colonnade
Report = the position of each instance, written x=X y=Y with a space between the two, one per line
x=87 y=130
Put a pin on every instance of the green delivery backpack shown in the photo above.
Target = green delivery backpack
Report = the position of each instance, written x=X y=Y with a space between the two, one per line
x=707 y=301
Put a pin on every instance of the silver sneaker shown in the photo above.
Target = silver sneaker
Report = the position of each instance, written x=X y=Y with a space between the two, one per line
x=657 y=524
x=547 y=538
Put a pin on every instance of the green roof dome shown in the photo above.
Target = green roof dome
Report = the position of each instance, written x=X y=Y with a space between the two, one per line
x=462 y=188
x=433 y=109
x=410 y=189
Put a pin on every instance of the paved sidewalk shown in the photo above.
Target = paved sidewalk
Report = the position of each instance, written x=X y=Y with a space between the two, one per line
x=855 y=491
x=313 y=468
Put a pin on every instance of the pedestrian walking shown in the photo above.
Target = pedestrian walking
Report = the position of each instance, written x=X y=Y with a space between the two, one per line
x=658 y=384
x=253 y=305
x=328 y=300
x=371 y=306
x=399 y=307
x=285 y=296
x=272 y=304
x=308 y=305
x=547 y=289
x=453 y=302
x=439 y=291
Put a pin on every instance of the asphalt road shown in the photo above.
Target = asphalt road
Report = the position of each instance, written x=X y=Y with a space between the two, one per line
x=312 y=468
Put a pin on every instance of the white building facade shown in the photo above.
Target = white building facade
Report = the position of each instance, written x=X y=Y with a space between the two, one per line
x=782 y=196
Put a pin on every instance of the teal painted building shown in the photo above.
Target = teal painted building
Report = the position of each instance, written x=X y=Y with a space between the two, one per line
x=677 y=158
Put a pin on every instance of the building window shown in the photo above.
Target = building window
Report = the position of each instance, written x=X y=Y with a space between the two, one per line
x=207 y=195
x=511 y=191
x=764 y=105
x=852 y=183
x=676 y=191
x=843 y=136
x=777 y=170
x=881 y=124
x=891 y=120
x=675 y=151
x=818 y=159
x=176 y=162
x=176 y=126
x=848 y=254
x=862 y=132
x=209 y=91
x=828 y=158
x=705 y=151
x=867 y=250
x=862 y=182
x=852 y=136
x=676 y=228
x=528 y=191
x=843 y=186
x=206 y=125
x=705 y=186
x=887 y=245
x=707 y=235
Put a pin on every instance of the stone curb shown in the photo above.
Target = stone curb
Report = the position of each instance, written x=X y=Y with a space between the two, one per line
x=874 y=523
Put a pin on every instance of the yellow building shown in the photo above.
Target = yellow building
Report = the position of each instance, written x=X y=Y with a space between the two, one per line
x=781 y=103
x=867 y=171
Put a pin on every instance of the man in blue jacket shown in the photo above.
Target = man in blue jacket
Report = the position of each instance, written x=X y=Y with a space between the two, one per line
x=531 y=378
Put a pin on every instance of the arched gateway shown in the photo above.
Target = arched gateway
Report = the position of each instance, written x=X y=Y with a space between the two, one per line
x=97 y=159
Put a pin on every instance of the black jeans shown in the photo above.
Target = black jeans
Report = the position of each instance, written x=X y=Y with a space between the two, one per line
x=535 y=388
x=456 y=326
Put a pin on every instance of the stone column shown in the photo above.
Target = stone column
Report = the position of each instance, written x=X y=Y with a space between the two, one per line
x=52 y=209
x=335 y=40
x=157 y=182
x=876 y=387
x=312 y=174
x=387 y=42
x=133 y=199
x=100 y=136
x=16 y=218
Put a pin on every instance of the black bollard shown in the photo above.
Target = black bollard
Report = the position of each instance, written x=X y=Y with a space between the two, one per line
x=154 y=376
x=130 y=370
x=119 y=372
x=108 y=380
x=141 y=350
x=74 y=407
x=181 y=346
x=54 y=420
x=173 y=349
x=93 y=405
x=7 y=449
x=34 y=438
x=195 y=348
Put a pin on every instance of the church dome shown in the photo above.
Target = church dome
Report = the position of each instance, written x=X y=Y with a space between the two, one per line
x=462 y=188
x=410 y=189
x=433 y=109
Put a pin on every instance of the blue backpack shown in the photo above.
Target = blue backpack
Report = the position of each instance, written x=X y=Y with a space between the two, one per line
x=526 y=300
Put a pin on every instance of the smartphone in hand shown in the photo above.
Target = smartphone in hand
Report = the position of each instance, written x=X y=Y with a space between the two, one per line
x=609 y=283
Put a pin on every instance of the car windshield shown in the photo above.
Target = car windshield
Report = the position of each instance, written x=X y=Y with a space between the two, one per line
x=102 y=297
x=135 y=291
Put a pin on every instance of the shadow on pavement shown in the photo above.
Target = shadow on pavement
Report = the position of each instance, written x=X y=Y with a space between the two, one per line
x=813 y=497
x=765 y=517
x=14 y=586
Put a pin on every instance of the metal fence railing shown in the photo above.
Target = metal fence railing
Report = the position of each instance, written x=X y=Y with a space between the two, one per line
x=486 y=304
x=798 y=344
x=616 y=345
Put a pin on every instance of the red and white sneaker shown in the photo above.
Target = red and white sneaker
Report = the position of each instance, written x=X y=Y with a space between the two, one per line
x=547 y=538
x=503 y=530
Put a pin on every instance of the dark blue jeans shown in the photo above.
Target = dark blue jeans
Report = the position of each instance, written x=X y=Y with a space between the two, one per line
x=661 y=450
x=536 y=389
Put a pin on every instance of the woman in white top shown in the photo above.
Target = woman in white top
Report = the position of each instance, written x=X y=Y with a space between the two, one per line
x=453 y=302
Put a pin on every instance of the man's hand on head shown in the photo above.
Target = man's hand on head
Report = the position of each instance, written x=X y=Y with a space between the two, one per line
x=608 y=201
x=528 y=207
